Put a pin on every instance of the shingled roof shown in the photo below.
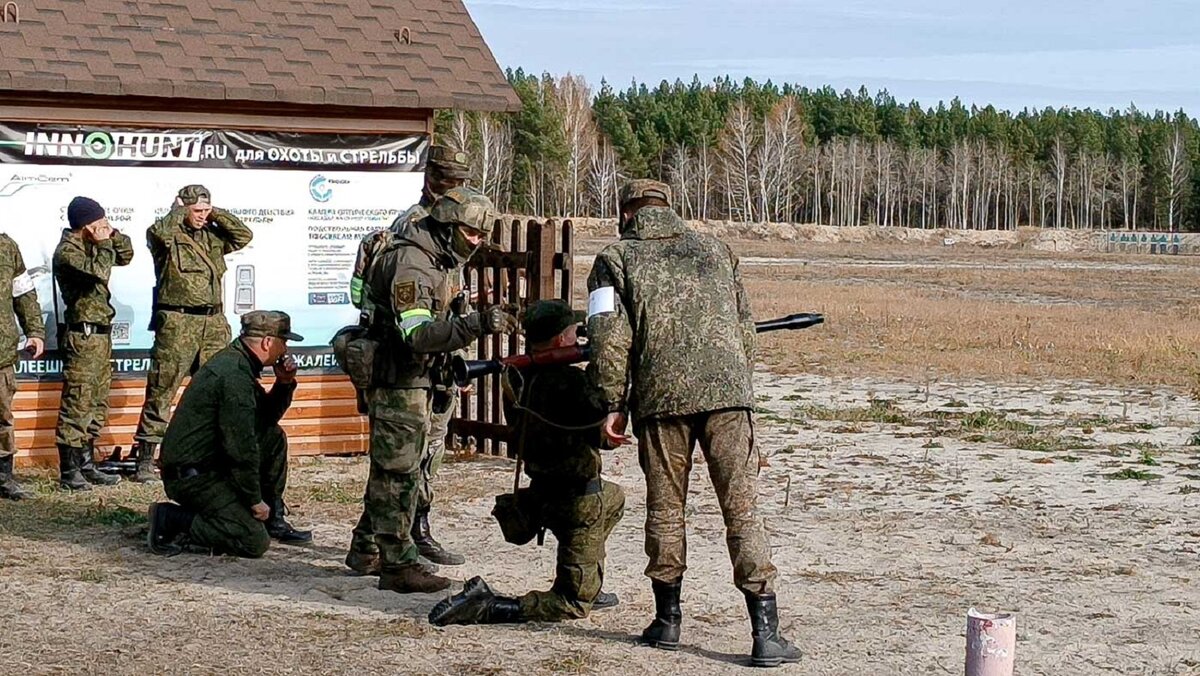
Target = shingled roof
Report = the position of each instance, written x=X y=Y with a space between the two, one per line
x=361 y=53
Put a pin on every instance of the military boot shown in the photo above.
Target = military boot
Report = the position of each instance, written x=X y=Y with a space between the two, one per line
x=87 y=467
x=605 y=600
x=770 y=648
x=279 y=529
x=475 y=604
x=431 y=549
x=145 y=463
x=663 y=632
x=412 y=578
x=69 y=476
x=9 y=488
x=169 y=528
x=363 y=563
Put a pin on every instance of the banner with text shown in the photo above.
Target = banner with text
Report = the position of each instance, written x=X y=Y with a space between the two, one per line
x=309 y=198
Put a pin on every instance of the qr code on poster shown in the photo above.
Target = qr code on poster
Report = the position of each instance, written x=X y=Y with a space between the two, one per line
x=120 y=332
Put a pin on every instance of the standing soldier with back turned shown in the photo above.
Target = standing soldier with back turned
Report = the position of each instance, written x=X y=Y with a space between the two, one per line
x=189 y=246
x=83 y=262
x=16 y=284
x=673 y=344
x=445 y=170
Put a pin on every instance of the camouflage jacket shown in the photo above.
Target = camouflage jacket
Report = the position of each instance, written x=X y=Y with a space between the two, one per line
x=410 y=287
x=220 y=416
x=189 y=264
x=681 y=339
x=556 y=460
x=15 y=283
x=82 y=269
x=377 y=241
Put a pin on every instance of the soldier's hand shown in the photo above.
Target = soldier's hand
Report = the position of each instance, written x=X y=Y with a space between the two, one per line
x=35 y=347
x=285 y=370
x=99 y=231
x=614 y=429
x=496 y=320
x=261 y=511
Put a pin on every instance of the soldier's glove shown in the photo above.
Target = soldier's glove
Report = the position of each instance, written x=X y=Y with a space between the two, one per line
x=496 y=320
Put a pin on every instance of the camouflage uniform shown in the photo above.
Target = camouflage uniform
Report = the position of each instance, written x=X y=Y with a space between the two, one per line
x=566 y=494
x=449 y=166
x=189 y=323
x=15 y=283
x=224 y=451
x=408 y=288
x=677 y=352
x=82 y=269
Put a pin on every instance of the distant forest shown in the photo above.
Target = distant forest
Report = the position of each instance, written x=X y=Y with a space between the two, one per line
x=752 y=152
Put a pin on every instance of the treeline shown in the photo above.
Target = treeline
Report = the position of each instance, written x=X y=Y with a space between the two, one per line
x=760 y=152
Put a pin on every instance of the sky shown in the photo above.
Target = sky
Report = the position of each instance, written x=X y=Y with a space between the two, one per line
x=1011 y=53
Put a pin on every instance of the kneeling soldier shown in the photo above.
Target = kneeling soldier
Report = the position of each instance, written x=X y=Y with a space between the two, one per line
x=224 y=455
x=557 y=413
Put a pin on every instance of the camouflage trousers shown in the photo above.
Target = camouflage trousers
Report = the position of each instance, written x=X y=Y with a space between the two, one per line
x=435 y=452
x=223 y=519
x=582 y=526
x=665 y=451
x=8 y=432
x=182 y=343
x=87 y=377
x=399 y=420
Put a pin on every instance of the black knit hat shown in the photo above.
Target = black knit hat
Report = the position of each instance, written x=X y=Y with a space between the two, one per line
x=83 y=210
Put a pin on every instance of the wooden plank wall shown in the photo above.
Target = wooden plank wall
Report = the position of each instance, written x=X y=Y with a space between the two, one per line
x=322 y=420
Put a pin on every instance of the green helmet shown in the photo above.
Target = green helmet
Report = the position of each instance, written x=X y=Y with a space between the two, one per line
x=465 y=206
x=193 y=194
x=644 y=187
x=450 y=163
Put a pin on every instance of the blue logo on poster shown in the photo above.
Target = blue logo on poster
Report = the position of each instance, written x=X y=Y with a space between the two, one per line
x=319 y=189
x=330 y=298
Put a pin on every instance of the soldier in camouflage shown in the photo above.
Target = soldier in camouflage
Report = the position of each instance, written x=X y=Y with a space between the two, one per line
x=445 y=170
x=224 y=455
x=189 y=246
x=557 y=413
x=673 y=349
x=15 y=283
x=83 y=263
x=408 y=289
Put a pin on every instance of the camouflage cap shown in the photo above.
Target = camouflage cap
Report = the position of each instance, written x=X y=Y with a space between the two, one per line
x=193 y=194
x=645 y=187
x=258 y=323
x=465 y=206
x=546 y=319
x=449 y=163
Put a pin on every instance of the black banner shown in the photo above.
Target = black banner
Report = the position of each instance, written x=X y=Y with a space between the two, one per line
x=209 y=148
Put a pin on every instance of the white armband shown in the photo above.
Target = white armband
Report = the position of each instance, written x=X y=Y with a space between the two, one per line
x=22 y=284
x=601 y=300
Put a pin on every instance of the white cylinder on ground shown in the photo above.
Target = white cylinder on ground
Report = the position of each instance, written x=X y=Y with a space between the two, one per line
x=991 y=643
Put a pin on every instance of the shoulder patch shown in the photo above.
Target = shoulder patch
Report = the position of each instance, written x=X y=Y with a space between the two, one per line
x=406 y=294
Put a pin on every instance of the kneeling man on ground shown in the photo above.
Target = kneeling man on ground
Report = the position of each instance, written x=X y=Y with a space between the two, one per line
x=224 y=455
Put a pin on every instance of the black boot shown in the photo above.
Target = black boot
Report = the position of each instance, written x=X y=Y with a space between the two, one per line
x=605 y=600
x=9 y=488
x=770 y=649
x=663 y=632
x=169 y=528
x=428 y=547
x=279 y=529
x=87 y=467
x=145 y=463
x=69 y=476
x=476 y=604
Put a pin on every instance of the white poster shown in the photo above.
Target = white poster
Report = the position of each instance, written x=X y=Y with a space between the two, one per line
x=308 y=212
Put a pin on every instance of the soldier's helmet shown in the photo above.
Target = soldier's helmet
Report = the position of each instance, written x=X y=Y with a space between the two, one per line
x=465 y=206
x=645 y=187
x=449 y=163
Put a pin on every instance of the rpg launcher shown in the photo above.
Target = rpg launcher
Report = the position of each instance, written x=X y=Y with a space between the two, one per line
x=466 y=370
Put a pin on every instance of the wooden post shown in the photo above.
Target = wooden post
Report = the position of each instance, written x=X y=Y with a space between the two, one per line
x=540 y=245
x=991 y=643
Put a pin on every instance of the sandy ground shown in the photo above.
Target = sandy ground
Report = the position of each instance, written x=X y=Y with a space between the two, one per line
x=888 y=521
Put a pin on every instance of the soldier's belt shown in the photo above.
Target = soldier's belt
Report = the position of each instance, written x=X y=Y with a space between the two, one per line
x=183 y=472
x=88 y=328
x=205 y=310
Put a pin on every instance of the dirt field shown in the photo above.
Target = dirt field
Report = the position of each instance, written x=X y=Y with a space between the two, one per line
x=951 y=438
